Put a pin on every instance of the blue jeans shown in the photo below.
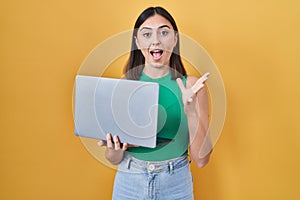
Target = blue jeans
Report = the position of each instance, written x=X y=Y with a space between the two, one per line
x=147 y=180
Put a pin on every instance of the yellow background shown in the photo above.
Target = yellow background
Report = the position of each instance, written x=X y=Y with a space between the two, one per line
x=255 y=44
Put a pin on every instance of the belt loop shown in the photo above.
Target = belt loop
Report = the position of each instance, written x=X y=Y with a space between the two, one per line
x=128 y=163
x=171 y=167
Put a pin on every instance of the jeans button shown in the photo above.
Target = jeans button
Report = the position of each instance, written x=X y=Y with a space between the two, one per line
x=151 y=167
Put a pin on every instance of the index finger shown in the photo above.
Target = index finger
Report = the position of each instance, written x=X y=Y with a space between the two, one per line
x=109 y=141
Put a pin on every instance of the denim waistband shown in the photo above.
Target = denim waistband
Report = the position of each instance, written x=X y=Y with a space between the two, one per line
x=140 y=166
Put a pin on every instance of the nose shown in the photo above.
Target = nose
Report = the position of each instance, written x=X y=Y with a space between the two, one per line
x=155 y=40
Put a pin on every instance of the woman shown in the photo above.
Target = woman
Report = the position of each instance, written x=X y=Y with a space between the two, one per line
x=162 y=172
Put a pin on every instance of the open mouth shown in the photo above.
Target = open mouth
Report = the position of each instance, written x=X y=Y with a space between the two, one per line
x=156 y=53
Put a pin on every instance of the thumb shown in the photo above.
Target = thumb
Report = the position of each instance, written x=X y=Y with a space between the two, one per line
x=101 y=143
x=180 y=84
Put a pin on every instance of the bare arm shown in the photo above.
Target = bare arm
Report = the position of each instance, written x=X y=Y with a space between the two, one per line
x=196 y=108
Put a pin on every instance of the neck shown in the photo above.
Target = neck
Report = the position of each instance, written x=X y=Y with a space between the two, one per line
x=156 y=72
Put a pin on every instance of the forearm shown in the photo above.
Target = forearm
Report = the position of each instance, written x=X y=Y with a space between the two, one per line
x=198 y=124
x=200 y=147
x=200 y=142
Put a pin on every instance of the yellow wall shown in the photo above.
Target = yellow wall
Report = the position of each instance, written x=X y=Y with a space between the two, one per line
x=255 y=44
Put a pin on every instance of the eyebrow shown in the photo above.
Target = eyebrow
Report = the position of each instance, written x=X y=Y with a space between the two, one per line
x=162 y=26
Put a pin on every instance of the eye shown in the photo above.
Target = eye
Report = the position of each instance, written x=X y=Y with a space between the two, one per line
x=147 y=34
x=164 y=32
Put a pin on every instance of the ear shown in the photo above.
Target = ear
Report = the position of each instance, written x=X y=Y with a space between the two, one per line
x=136 y=42
x=175 y=39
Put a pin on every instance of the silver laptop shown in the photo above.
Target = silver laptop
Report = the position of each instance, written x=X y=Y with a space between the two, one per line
x=126 y=108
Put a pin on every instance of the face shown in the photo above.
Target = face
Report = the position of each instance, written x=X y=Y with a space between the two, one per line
x=156 y=39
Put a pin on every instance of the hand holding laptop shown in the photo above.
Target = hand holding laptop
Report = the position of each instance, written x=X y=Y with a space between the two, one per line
x=115 y=149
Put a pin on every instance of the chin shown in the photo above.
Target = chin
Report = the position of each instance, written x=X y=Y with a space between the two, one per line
x=158 y=65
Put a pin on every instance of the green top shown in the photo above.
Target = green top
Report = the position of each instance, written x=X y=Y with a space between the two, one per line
x=172 y=122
